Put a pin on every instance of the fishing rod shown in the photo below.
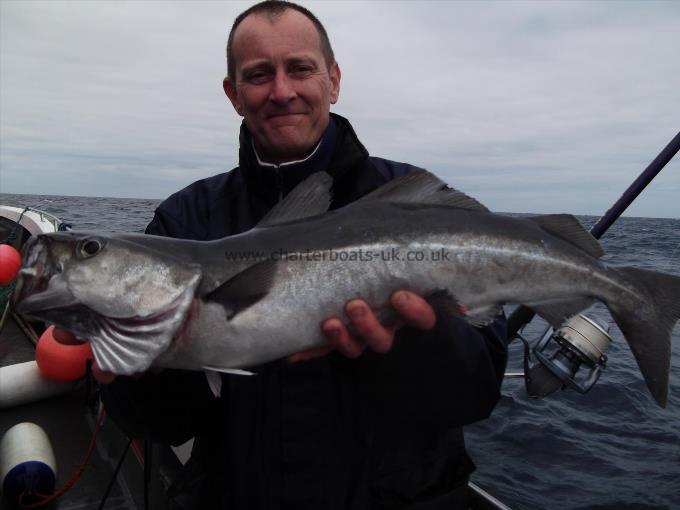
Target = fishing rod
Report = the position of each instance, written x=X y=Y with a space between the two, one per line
x=523 y=315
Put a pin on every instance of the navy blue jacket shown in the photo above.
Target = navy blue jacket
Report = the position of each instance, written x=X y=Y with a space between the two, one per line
x=382 y=431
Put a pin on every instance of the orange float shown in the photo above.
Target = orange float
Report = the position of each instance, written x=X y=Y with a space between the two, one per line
x=61 y=362
x=10 y=262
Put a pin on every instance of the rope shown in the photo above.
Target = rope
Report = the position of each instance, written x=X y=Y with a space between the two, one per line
x=5 y=293
x=115 y=475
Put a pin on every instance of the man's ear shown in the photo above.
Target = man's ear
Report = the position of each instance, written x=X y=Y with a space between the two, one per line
x=334 y=74
x=230 y=91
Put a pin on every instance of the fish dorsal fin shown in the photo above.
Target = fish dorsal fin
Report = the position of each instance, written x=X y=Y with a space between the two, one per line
x=309 y=198
x=568 y=228
x=423 y=187
x=245 y=288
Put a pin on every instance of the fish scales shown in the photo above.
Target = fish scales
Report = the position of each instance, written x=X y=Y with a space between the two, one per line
x=366 y=279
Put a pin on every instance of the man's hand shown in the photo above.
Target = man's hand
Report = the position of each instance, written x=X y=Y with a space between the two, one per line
x=66 y=337
x=412 y=308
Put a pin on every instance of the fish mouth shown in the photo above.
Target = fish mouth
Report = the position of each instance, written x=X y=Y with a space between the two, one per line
x=39 y=283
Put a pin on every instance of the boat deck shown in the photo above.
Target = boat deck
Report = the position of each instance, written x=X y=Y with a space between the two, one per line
x=69 y=424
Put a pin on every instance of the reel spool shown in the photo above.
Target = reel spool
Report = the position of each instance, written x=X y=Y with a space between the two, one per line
x=579 y=343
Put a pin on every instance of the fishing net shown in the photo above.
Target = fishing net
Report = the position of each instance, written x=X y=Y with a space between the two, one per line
x=5 y=293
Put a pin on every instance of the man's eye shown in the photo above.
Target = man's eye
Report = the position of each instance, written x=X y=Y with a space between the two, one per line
x=301 y=71
x=257 y=77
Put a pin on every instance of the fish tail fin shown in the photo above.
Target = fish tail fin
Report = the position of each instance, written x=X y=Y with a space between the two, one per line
x=648 y=328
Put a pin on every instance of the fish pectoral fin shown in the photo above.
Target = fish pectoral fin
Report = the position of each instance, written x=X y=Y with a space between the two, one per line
x=309 y=198
x=555 y=312
x=244 y=289
x=423 y=187
x=568 y=228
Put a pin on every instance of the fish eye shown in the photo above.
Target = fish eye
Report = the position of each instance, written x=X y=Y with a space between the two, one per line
x=89 y=248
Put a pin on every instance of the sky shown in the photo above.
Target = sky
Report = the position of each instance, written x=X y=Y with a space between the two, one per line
x=539 y=107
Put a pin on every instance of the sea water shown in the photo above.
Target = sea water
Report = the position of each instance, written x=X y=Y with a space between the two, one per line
x=612 y=448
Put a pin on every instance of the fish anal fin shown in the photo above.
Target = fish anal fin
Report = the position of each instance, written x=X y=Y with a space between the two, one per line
x=309 y=198
x=555 y=312
x=423 y=187
x=568 y=228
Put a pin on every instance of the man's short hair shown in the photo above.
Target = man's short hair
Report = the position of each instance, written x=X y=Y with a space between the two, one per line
x=274 y=9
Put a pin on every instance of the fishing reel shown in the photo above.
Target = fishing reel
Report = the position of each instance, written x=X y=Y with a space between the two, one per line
x=572 y=356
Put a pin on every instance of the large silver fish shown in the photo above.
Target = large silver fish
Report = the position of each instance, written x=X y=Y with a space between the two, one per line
x=261 y=295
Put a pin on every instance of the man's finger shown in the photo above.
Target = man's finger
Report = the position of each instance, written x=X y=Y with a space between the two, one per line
x=340 y=338
x=366 y=325
x=414 y=310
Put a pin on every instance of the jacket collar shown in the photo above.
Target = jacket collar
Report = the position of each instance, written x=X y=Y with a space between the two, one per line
x=338 y=151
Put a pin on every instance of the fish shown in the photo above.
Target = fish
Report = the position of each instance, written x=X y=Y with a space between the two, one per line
x=145 y=301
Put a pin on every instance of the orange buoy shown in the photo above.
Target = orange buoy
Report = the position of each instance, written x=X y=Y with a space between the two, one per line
x=10 y=262
x=61 y=362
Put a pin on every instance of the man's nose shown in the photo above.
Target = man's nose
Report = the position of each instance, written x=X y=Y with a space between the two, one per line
x=283 y=89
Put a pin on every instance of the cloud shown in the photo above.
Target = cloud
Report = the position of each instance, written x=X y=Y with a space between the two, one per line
x=530 y=106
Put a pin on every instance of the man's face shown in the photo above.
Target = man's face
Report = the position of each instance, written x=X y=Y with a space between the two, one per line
x=283 y=87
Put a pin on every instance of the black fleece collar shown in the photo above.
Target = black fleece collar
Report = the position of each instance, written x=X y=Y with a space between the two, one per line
x=340 y=150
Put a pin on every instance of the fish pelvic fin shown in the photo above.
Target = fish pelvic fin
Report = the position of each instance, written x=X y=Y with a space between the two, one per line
x=230 y=371
x=648 y=329
x=214 y=377
x=214 y=382
x=423 y=187
x=479 y=316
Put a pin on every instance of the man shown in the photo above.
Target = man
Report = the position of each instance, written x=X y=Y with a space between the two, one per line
x=376 y=424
